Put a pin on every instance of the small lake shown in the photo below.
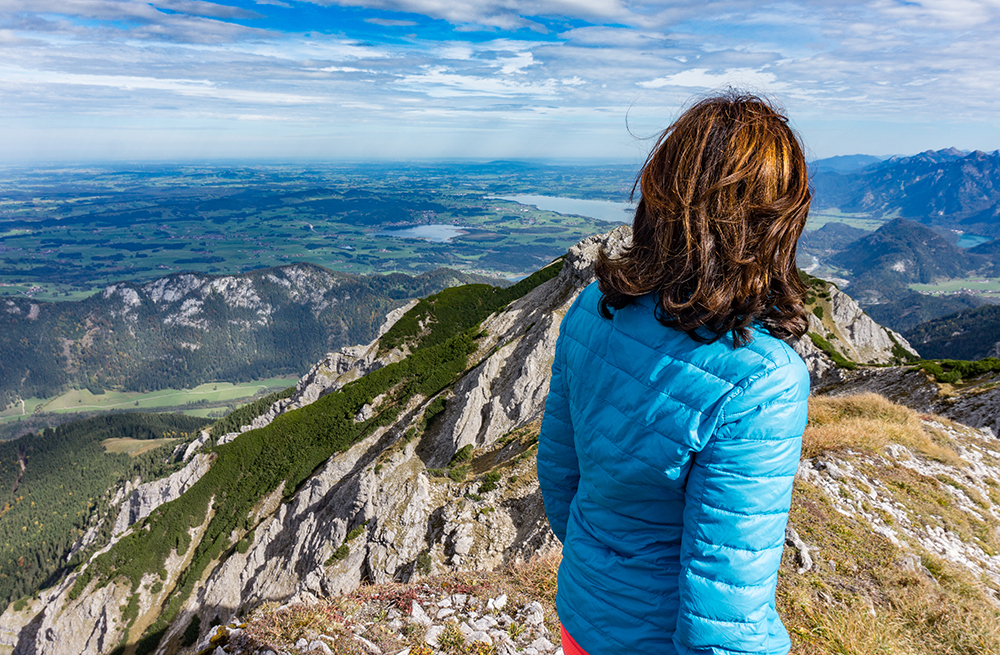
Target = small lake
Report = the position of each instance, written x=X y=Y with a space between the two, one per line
x=434 y=233
x=602 y=210
x=971 y=240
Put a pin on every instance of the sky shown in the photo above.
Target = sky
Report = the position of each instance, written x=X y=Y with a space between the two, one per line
x=282 y=80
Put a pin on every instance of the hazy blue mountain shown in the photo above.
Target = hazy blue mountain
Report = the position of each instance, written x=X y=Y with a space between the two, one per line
x=929 y=156
x=909 y=252
x=832 y=236
x=843 y=163
x=884 y=263
x=989 y=249
x=946 y=188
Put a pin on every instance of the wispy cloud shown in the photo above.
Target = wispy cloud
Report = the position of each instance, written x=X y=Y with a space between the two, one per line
x=702 y=78
x=391 y=22
x=552 y=66
x=503 y=14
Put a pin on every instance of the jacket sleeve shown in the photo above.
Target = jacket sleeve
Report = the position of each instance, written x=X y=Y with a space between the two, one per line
x=558 y=468
x=737 y=500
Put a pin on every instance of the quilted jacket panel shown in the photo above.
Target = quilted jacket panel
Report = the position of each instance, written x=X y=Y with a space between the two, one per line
x=666 y=467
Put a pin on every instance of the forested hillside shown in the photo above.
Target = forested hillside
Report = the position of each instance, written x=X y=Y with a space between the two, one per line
x=185 y=329
x=56 y=482
x=883 y=264
x=972 y=334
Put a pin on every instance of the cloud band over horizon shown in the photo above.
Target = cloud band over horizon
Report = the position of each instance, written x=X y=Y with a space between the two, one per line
x=92 y=80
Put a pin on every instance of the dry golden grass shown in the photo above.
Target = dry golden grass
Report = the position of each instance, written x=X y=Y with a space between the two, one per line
x=368 y=609
x=537 y=577
x=907 y=614
x=869 y=422
x=134 y=447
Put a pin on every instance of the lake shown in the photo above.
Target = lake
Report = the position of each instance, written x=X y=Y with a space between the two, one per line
x=435 y=233
x=602 y=210
x=971 y=240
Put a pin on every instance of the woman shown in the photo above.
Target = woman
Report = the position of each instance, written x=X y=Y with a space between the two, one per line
x=674 y=421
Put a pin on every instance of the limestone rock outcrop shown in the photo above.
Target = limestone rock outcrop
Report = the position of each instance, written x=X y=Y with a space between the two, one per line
x=838 y=327
x=147 y=497
x=395 y=504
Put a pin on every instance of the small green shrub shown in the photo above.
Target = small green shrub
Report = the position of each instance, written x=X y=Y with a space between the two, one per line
x=356 y=532
x=950 y=371
x=831 y=352
x=338 y=555
x=131 y=611
x=818 y=312
x=459 y=473
x=423 y=564
x=464 y=454
x=243 y=545
x=490 y=482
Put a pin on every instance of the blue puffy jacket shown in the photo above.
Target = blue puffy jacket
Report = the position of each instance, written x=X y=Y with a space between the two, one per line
x=666 y=467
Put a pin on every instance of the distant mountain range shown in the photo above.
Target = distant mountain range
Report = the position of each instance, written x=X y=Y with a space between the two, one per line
x=186 y=329
x=882 y=264
x=843 y=163
x=946 y=188
x=930 y=200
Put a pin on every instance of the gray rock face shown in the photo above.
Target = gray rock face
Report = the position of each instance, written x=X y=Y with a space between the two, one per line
x=976 y=405
x=147 y=497
x=405 y=519
x=852 y=333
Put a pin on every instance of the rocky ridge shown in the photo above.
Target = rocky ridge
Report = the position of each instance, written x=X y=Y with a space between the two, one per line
x=840 y=332
x=141 y=502
x=974 y=402
x=448 y=486
x=186 y=329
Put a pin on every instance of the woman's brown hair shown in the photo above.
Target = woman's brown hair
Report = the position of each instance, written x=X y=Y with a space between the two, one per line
x=724 y=198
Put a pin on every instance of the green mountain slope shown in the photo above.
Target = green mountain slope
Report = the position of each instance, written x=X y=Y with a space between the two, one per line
x=972 y=334
x=186 y=329
x=884 y=263
x=56 y=484
x=439 y=334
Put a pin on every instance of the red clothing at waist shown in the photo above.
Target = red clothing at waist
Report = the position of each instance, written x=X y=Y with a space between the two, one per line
x=569 y=646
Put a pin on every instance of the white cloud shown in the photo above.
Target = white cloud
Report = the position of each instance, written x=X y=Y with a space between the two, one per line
x=439 y=82
x=702 y=78
x=947 y=14
x=517 y=63
x=193 y=88
x=503 y=14
x=386 y=22
x=201 y=8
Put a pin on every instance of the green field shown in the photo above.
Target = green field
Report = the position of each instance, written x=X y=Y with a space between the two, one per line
x=203 y=400
x=987 y=288
x=134 y=447
x=820 y=217
x=68 y=233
